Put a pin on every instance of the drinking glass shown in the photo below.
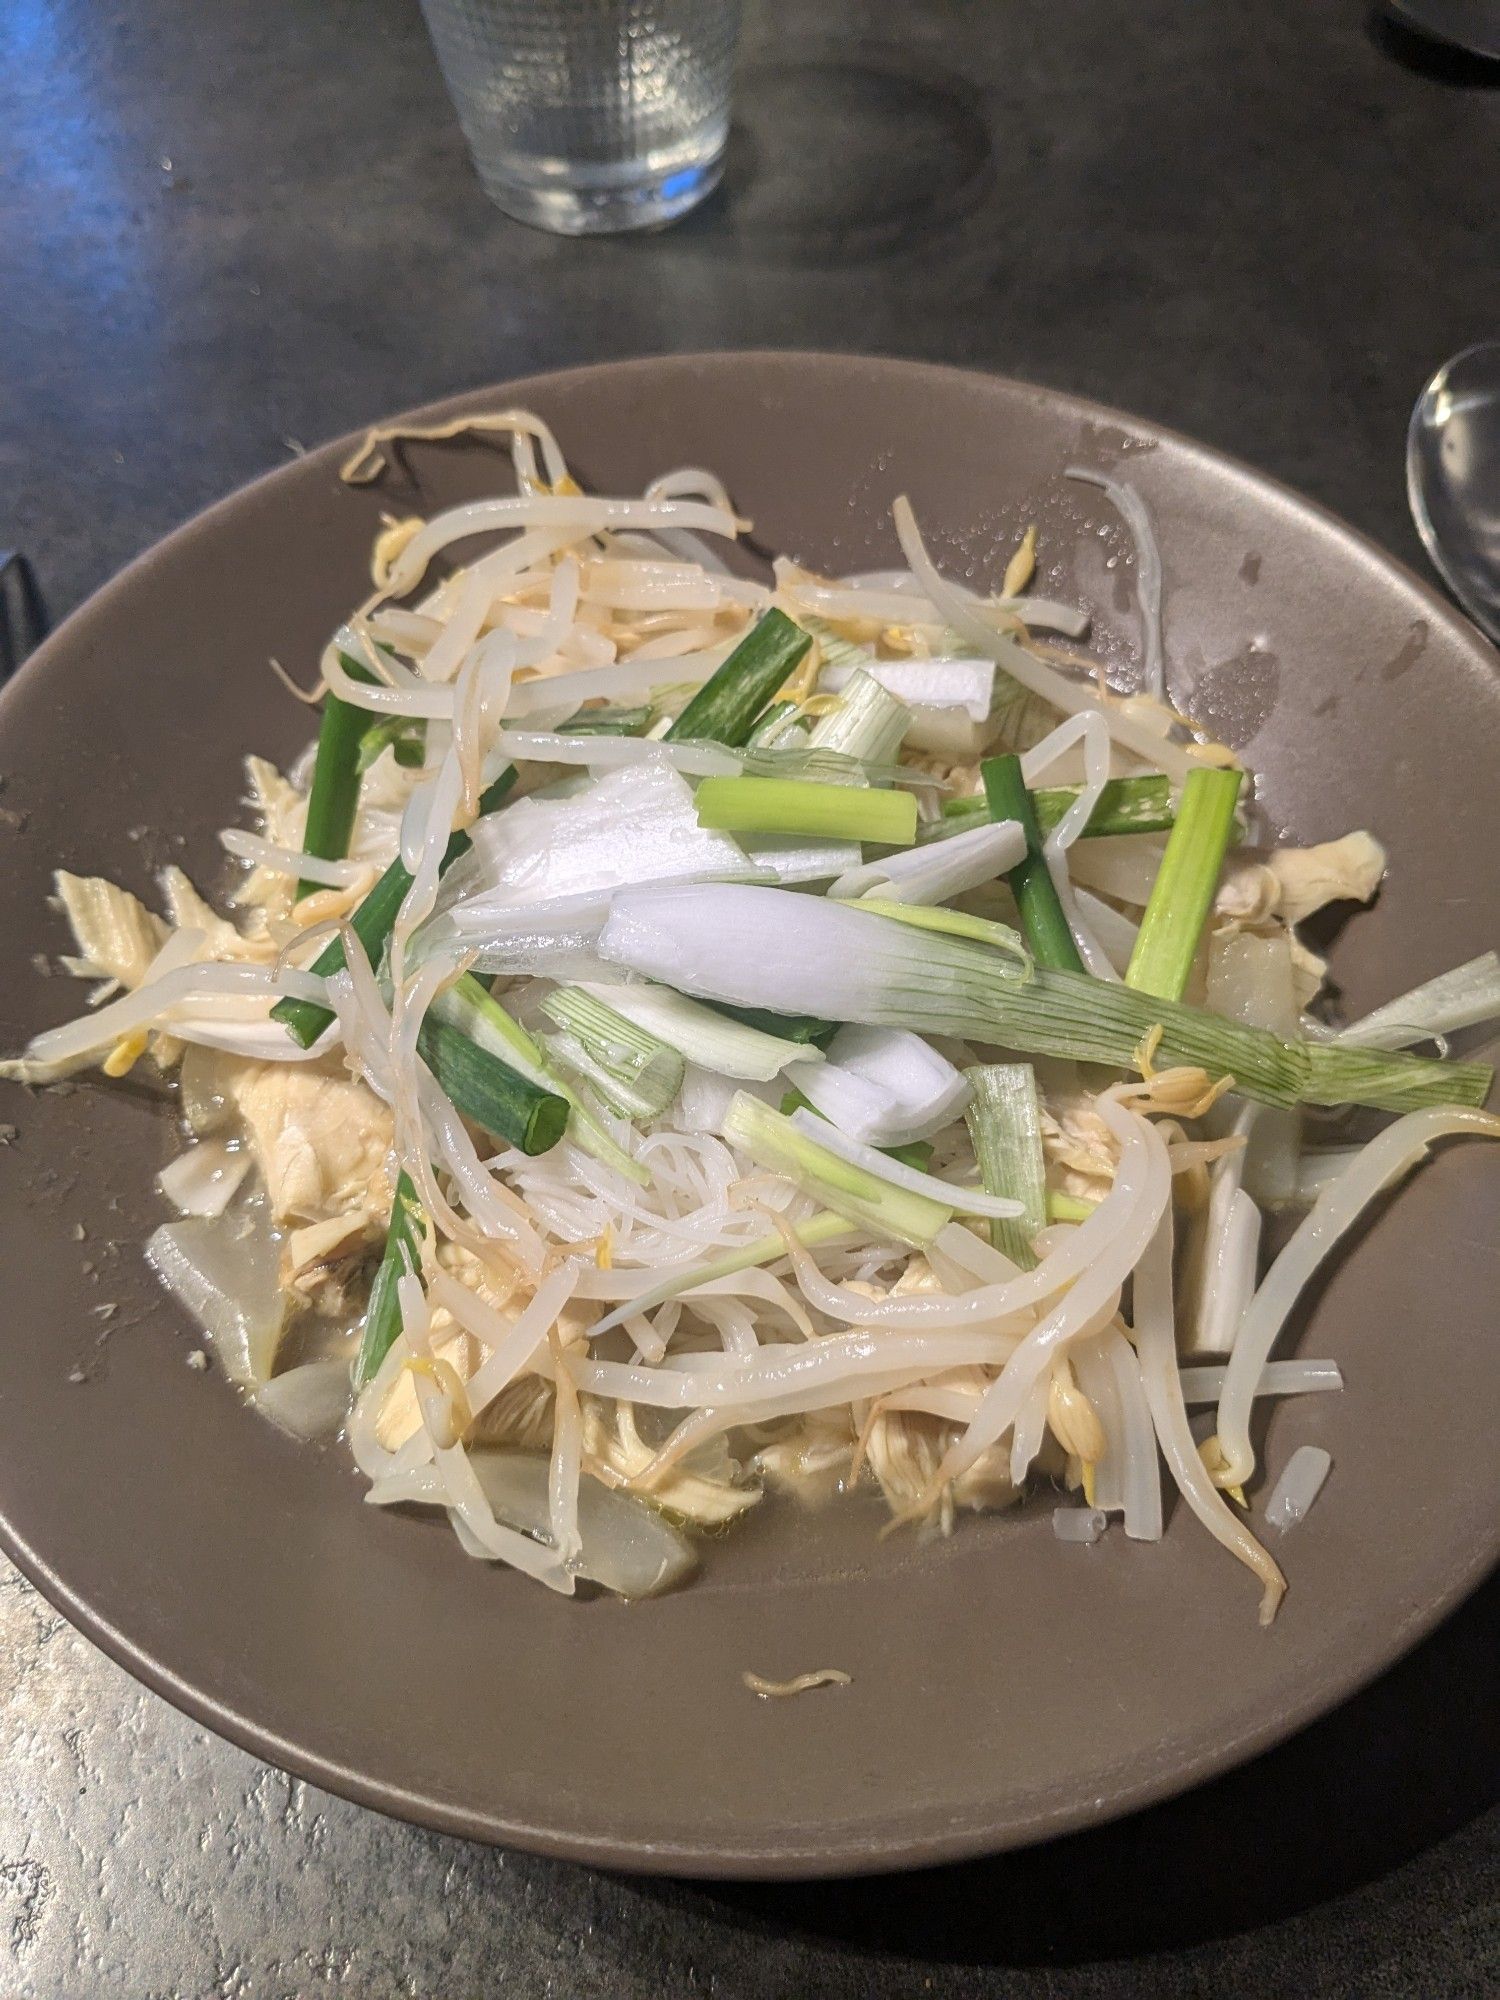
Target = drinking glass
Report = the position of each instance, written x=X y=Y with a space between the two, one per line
x=590 y=115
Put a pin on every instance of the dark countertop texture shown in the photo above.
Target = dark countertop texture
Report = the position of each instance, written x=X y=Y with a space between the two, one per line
x=232 y=227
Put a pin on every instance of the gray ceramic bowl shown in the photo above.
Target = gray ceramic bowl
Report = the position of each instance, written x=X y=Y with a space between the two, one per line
x=1005 y=1688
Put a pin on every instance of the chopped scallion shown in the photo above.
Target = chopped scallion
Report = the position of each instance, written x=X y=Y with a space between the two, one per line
x=475 y=1012
x=1126 y=805
x=776 y=1144
x=333 y=797
x=791 y=805
x=405 y=738
x=1042 y=916
x=869 y=722
x=917 y=1153
x=772 y=725
x=605 y=721
x=809 y=1028
x=1183 y=891
x=1005 y=1122
x=487 y=1091
x=1068 y=1207
x=632 y=1069
x=728 y=705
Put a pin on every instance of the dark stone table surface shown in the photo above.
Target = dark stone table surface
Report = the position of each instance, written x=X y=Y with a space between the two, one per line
x=229 y=228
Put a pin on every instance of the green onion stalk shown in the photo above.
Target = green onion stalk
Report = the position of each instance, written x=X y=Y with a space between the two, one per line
x=401 y=1255
x=1004 y=1117
x=1183 y=892
x=1043 y=919
x=634 y=1071
x=794 y=806
x=1125 y=805
x=730 y=702
x=774 y=949
x=333 y=797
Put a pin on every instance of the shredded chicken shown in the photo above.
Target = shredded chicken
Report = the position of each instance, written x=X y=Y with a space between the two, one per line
x=1293 y=883
x=401 y=1414
x=191 y=911
x=812 y=1460
x=1339 y=871
x=116 y=935
x=684 y=1489
x=320 y=1140
x=322 y=1261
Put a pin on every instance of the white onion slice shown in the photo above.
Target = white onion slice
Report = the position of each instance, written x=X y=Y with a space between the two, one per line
x=883 y=1086
x=309 y=1402
x=202 y=1180
x=964 y=684
x=624 y=1543
x=227 y=1272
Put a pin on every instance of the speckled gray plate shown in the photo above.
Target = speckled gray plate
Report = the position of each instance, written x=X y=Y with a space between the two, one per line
x=1005 y=1688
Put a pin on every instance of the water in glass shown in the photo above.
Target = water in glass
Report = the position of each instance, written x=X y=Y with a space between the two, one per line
x=587 y=115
